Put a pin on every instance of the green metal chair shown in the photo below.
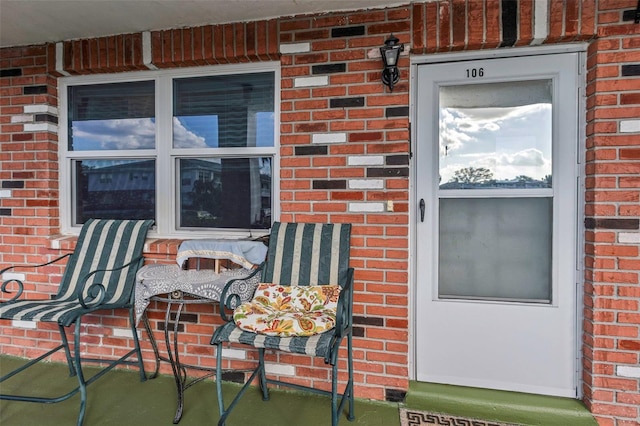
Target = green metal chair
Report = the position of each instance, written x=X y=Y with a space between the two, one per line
x=300 y=254
x=99 y=275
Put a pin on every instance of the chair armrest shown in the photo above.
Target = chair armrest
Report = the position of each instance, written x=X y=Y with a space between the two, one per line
x=238 y=291
x=344 y=310
x=5 y=285
x=96 y=292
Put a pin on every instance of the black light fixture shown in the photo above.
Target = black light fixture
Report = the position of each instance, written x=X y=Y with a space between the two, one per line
x=390 y=53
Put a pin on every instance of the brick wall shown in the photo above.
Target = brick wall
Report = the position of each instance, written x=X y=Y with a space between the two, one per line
x=344 y=146
x=344 y=155
x=29 y=154
x=612 y=280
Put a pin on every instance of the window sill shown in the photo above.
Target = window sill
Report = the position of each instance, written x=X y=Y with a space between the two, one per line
x=152 y=246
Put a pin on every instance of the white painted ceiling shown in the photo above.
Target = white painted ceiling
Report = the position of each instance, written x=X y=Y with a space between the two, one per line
x=25 y=22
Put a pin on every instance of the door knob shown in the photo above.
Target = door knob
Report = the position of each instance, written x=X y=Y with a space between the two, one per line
x=422 y=205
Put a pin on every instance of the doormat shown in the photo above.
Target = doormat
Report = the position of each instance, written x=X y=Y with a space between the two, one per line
x=410 y=417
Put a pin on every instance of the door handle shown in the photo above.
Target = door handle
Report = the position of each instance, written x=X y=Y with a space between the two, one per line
x=422 y=205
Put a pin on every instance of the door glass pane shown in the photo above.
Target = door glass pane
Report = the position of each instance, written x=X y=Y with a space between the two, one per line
x=112 y=116
x=224 y=111
x=495 y=248
x=225 y=192
x=115 y=189
x=496 y=135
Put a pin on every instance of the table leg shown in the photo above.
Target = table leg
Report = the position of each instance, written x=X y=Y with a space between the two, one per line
x=173 y=349
x=179 y=372
x=154 y=345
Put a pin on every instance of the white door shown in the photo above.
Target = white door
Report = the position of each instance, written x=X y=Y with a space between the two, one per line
x=497 y=177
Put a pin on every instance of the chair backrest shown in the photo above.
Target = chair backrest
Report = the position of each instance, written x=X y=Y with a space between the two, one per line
x=308 y=254
x=106 y=244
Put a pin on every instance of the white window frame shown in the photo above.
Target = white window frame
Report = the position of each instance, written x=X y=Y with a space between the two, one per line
x=164 y=154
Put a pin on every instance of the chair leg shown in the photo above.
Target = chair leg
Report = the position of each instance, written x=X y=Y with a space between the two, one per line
x=334 y=394
x=223 y=414
x=263 y=375
x=82 y=384
x=352 y=415
x=336 y=409
x=67 y=352
x=258 y=371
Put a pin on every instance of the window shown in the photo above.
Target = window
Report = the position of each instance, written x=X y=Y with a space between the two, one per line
x=194 y=149
x=496 y=135
x=496 y=191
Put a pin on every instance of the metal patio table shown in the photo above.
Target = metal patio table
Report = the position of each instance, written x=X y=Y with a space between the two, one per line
x=179 y=288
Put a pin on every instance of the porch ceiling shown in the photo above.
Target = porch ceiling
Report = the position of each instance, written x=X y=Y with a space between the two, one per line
x=25 y=22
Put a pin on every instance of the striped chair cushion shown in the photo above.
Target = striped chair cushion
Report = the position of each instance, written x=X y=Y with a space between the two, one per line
x=102 y=244
x=316 y=345
x=308 y=254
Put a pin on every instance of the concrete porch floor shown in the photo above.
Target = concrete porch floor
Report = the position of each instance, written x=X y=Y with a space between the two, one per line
x=119 y=398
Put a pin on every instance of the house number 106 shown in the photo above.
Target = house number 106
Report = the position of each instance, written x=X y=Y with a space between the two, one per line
x=475 y=72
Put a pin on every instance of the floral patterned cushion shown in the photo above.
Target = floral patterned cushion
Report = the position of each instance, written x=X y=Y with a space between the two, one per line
x=286 y=311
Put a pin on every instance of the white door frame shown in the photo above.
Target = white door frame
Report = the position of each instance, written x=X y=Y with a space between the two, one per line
x=413 y=199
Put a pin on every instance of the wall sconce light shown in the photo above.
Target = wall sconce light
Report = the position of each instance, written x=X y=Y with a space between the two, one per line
x=390 y=53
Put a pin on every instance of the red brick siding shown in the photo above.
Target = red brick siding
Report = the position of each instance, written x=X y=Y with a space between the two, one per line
x=29 y=158
x=30 y=172
x=612 y=275
x=381 y=346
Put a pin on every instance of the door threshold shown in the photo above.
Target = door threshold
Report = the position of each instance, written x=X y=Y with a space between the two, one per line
x=500 y=406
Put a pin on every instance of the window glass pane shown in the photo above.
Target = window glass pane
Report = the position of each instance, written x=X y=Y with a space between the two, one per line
x=496 y=135
x=225 y=192
x=115 y=189
x=112 y=116
x=224 y=111
x=495 y=248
